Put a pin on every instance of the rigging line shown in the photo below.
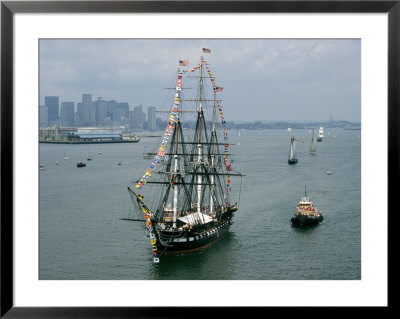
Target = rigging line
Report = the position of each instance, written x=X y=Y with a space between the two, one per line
x=240 y=190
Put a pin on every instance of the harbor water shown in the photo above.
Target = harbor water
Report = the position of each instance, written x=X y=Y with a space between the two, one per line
x=82 y=236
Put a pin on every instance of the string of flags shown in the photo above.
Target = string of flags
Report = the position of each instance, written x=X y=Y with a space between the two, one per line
x=217 y=89
x=157 y=160
x=149 y=224
x=170 y=127
x=228 y=165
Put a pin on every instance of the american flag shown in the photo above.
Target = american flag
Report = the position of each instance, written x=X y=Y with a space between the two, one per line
x=206 y=50
x=183 y=62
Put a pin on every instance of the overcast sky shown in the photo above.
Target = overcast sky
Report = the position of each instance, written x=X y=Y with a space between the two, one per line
x=263 y=79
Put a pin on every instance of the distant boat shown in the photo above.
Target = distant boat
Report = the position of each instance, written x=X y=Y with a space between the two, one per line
x=329 y=172
x=306 y=213
x=320 y=134
x=41 y=167
x=89 y=157
x=147 y=155
x=80 y=164
x=313 y=151
x=98 y=152
x=65 y=156
x=289 y=130
x=292 y=152
x=119 y=163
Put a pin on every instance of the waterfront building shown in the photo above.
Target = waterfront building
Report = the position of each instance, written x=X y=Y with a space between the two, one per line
x=67 y=114
x=52 y=104
x=151 y=118
x=43 y=116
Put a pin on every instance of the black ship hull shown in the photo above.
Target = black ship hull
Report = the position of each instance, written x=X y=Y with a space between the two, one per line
x=304 y=220
x=190 y=241
x=292 y=161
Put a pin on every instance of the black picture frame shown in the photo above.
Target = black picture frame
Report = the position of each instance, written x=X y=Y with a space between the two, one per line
x=9 y=8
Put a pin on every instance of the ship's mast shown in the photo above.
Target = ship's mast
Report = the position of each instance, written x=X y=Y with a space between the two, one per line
x=175 y=170
x=199 y=146
x=213 y=139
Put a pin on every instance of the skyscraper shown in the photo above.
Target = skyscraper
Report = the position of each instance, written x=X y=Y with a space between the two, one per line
x=111 y=109
x=43 y=116
x=78 y=115
x=67 y=114
x=123 y=111
x=101 y=106
x=151 y=118
x=139 y=117
x=52 y=104
x=86 y=106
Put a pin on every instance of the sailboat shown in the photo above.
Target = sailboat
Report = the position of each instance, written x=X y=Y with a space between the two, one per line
x=320 y=134
x=89 y=157
x=313 y=151
x=292 y=152
x=188 y=205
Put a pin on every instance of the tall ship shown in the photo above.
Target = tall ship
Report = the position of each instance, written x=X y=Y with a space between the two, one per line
x=292 y=159
x=184 y=198
x=313 y=151
x=306 y=213
x=320 y=134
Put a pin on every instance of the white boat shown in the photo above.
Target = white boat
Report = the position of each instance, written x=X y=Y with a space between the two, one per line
x=289 y=130
x=320 y=134
x=89 y=157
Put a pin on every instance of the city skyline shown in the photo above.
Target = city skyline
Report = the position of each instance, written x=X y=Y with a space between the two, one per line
x=263 y=79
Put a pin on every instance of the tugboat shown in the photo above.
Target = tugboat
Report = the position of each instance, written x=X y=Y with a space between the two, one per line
x=306 y=213
x=192 y=207
x=80 y=164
